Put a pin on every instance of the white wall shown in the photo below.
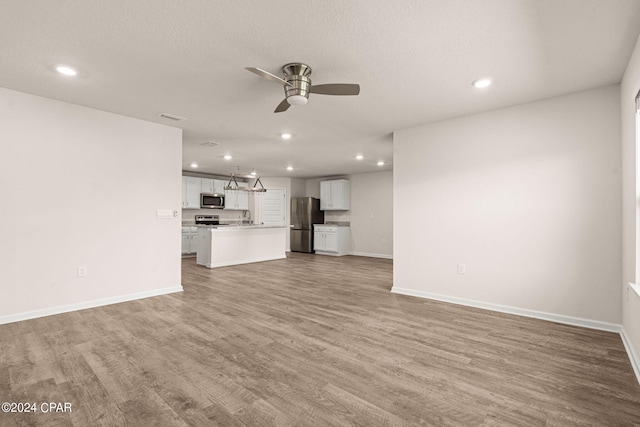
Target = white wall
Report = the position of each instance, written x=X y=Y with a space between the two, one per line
x=313 y=185
x=527 y=197
x=81 y=187
x=371 y=213
x=630 y=302
x=298 y=187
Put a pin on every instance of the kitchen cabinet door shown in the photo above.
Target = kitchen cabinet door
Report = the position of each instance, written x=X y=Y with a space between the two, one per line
x=335 y=195
x=236 y=200
x=189 y=240
x=243 y=200
x=218 y=186
x=230 y=199
x=184 y=191
x=186 y=243
x=206 y=185
x=191 y=189
x=325 y=195
x=193 y=240
x=331 y=241
x=318 y=241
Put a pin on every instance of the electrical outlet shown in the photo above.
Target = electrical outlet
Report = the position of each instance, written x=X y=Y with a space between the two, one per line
x=82 y=271
x=462 y=269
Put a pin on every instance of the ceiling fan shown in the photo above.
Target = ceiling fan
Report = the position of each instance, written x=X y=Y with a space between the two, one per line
x=297 y=85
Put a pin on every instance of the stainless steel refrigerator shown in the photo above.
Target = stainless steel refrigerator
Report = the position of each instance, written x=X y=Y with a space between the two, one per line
x=305 y=211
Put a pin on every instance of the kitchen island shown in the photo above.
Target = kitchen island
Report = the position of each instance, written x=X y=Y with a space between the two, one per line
x=223 y=245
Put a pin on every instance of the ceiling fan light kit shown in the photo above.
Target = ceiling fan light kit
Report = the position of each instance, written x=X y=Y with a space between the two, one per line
x=297 y=85
x=297 y=99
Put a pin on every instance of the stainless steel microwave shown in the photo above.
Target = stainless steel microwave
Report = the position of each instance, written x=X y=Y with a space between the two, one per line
x=212 y=201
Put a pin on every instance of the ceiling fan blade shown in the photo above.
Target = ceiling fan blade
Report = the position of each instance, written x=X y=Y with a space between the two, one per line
x=336 y=89
x=268 y=75
x=283 y=106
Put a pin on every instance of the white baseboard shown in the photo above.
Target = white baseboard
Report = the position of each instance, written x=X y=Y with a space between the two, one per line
x=317 y=252
x=371 y=255
x=87 y=304
x=633 y=356
x=558 y=318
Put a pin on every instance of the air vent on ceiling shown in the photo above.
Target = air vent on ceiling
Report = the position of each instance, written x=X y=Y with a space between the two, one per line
x=210 y=144
x=171 y=117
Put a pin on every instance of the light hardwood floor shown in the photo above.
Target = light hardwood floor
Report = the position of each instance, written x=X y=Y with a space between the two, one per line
x=311 y=340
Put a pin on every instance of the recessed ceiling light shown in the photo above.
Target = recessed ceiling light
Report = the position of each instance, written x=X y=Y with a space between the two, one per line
x=359 y=157
x=194 y=165
x=253 y=172
x=380 y=163
x=286 y=136
x=482 y=83
x=228 y=157
x=66 y=70
x=289 y=168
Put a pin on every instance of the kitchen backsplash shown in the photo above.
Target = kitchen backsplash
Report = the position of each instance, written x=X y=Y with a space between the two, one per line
x=336 y=218
x=188 y=215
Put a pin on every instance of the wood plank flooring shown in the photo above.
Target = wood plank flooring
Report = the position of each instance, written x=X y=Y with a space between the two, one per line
x=311 y=341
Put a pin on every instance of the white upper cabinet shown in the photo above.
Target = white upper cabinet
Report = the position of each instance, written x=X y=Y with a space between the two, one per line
x=218 y=186
x=237 y=199
x=213 y=186
x=191 y=189
x=335 y=195
x=207 y=185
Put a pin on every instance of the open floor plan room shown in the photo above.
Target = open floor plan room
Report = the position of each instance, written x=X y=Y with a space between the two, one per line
x=311 y=340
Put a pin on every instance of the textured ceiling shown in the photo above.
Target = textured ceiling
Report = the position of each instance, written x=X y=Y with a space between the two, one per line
x=414 y=61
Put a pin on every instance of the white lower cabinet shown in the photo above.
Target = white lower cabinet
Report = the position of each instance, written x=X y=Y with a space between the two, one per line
x=189 y=240
x=331 y=240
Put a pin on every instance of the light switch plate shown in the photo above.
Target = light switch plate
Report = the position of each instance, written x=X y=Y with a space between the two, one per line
x=166 y=213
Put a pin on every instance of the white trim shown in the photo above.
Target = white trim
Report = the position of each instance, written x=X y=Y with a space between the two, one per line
x=633 y=356
x=371 y=255
x=87 y=304
x=558 y=318
x=635 y=287
x=317 y=252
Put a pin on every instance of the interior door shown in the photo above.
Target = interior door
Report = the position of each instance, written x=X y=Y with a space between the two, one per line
x=273 y=206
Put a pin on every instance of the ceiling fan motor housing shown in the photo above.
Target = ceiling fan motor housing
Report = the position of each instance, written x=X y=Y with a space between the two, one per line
x=297 y=75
